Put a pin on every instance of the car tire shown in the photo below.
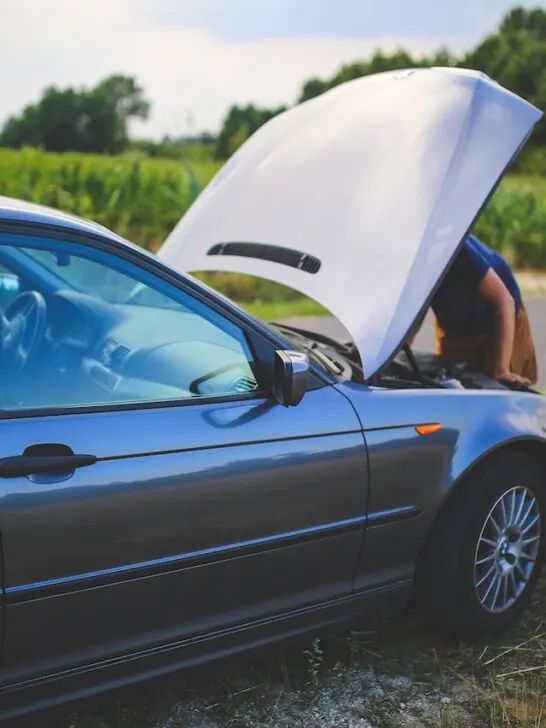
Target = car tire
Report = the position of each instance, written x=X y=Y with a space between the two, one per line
x=485 y=553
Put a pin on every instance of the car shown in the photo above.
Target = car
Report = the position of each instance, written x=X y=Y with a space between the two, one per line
x=180 y=481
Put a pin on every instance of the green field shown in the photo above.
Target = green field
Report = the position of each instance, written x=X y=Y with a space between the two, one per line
x=138 y=197
x=142 y=199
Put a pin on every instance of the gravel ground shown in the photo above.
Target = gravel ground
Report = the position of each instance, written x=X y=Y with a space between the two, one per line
x=395 y=676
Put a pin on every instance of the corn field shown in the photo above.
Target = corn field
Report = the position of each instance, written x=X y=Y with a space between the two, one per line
x=139 y=198
x=142 y=199
x=514 y=222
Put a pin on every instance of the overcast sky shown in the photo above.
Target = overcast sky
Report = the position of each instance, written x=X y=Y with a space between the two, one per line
x=199 y=56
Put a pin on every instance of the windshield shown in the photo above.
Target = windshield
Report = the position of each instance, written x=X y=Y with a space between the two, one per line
x=117 y=288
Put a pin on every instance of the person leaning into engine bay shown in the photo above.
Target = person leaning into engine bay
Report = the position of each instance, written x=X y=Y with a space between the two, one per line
x=480 y=317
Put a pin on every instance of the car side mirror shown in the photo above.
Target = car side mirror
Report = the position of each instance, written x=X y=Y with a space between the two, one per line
x=291 y=377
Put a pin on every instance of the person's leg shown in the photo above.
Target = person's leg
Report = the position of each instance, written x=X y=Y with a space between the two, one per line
x=439 y=338
x=524 y=360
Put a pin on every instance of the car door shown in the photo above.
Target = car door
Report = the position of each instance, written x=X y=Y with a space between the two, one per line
x=172 y=502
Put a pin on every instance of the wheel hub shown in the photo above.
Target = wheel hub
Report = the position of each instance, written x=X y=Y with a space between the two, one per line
x=508 y=551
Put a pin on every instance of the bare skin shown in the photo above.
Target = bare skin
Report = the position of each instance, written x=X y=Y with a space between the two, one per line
x=493 y=290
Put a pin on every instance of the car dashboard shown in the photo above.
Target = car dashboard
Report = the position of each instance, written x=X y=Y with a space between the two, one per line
x=104 y=353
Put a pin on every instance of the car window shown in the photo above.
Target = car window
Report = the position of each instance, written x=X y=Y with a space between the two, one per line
x=80 y=273
x=91 y=328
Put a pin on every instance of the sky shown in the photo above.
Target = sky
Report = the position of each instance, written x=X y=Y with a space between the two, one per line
x=195 y=58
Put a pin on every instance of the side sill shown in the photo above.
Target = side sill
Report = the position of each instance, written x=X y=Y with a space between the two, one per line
x=55 y=689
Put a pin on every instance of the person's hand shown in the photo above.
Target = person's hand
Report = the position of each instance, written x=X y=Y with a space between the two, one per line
x=509 y=378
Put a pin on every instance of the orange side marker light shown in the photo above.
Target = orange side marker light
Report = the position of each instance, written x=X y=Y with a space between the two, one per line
x=428 y=429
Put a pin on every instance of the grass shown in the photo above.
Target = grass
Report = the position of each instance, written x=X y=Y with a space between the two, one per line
x=140 y=198
x=279 y=309
x=392 y=676
x=525 y=183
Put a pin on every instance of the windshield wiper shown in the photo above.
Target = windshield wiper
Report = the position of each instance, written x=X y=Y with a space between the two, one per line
x=324 y=359
x=314 y=336
x=311 y=346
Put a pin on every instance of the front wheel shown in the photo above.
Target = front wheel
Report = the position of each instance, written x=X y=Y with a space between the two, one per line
x=485 y=554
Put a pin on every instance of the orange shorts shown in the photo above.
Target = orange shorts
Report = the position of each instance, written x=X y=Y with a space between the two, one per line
x=477 y=351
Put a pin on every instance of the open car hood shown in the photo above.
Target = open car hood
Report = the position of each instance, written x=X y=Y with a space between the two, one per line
x=360 y=197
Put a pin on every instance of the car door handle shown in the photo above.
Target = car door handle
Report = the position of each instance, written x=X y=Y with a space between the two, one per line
x=15 y=467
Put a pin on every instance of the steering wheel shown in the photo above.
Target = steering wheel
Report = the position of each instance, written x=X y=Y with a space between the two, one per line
x=22 y=329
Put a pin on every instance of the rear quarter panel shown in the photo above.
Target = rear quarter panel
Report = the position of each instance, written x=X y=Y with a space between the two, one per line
x=413 y=476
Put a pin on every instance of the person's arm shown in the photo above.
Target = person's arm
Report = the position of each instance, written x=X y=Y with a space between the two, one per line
x=493 y=290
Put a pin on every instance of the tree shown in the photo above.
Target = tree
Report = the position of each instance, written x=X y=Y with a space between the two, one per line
x=51 y=123
x=86 y=120
x=515 y=57
x=110 y=106
x=239 y=123
x=312 y=88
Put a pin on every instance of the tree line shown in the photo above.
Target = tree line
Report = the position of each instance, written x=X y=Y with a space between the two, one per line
x=79 y=120
x=96 y=120
x=514 y=56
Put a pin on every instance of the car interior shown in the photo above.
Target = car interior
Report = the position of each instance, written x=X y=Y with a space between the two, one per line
x=64 y=347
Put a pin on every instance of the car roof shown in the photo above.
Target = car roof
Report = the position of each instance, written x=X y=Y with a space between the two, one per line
x=21 y=211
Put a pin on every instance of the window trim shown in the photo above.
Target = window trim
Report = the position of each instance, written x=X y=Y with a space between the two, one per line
x=38 y=412
x=258 y=337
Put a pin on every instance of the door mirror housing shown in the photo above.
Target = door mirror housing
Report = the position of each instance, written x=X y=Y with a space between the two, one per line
x=291 y=377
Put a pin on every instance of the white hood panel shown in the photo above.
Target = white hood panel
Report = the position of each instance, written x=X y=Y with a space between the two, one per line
x=379 y=179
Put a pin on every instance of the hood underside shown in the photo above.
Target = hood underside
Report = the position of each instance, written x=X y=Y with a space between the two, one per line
x=360 y=198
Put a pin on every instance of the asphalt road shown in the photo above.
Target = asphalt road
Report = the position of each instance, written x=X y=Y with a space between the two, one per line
x=536 y=308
